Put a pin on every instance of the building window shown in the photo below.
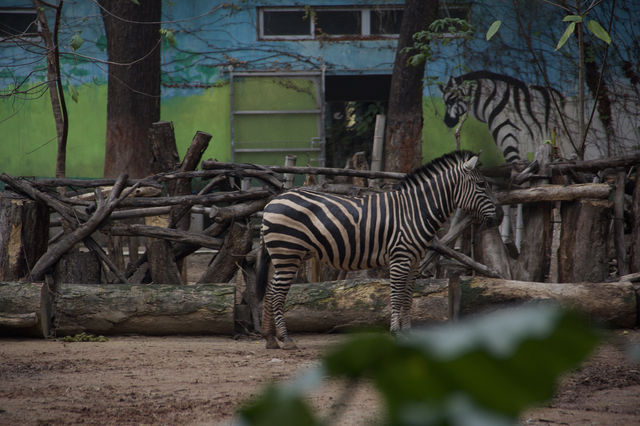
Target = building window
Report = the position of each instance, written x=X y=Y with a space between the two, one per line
x=386 y=21
x=318 y=22
x=339 y=22
x=286 y=23
x=455 y=10
x=18 y=23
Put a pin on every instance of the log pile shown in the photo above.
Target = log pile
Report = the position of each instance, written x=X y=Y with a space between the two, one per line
x=29 y=309
x=93 y=214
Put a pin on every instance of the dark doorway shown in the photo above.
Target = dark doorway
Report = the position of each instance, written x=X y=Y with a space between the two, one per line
x=352 y=103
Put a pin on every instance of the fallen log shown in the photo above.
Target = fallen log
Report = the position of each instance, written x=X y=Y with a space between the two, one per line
x=144 y=309
x=267 y=176
x=92 y=183
x=328 y=171
x=596 y=165
x=176 y=235
x=341 y=305
x=554 y=193
x=160 y=309
x=206 y=199
x=22 y=312
x=614 y=303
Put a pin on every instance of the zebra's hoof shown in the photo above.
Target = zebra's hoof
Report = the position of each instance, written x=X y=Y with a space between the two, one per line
x=272 y=343
x=289 y=344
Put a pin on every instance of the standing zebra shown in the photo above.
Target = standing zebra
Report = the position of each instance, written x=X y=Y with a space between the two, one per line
x=520 y=117
x=386 y=229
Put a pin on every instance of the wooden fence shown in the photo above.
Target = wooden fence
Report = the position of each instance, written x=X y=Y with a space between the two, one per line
x=576 y=222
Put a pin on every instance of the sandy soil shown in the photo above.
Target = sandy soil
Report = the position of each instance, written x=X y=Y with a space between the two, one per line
x=203 y=380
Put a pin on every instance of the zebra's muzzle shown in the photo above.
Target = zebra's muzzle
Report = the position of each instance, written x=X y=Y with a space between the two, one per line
x=450 y=120
x=495 y=219
x=491 y=221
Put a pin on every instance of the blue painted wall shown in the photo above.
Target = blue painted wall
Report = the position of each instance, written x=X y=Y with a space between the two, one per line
x=211 y=35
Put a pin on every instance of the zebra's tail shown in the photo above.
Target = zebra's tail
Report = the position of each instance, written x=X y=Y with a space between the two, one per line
x=262 y=271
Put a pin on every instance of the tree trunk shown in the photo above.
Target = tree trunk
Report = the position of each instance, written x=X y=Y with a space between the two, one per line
x=634 y=261
x=236 y=245
x=403 y=141
x=54 y=82
x=535 y=255
x=490 y=251
x=133 y=97
x=78 y=267
x=24 y=230
x=614 y=303
x=162 y=265
x=584 y=241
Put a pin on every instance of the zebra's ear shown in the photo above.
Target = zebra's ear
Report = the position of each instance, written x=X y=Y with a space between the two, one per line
x=470 y=164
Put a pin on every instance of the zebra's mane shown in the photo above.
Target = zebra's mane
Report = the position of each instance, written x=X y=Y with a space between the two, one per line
x=435 y=167
x=514 y=82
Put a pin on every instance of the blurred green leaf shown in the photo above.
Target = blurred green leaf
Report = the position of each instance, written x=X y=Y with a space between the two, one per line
x=74 y=93
x=169 y=36
x=572 y=18
x=598 y=31
x=483 y=370
x=567 y=33
x=76 y=41
x=278 y=407
x=493 y=29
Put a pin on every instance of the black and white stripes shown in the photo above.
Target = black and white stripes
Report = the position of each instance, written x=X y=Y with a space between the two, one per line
x=519 y=117
x=385 y=229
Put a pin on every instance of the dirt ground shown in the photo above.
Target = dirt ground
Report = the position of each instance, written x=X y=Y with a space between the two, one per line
x=203 y=380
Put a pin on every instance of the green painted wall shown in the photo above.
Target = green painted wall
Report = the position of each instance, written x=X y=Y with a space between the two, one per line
x=438 y=139
x=28 y=141
x=28 y=136
x=207 y=112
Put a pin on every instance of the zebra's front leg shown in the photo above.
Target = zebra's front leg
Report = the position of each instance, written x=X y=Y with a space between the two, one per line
x=399 y=272
x=407 y=300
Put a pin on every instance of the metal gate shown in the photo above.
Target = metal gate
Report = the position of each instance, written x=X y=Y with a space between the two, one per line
x=274 y=114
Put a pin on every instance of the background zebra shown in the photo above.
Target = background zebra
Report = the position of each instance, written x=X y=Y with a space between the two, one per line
x=386 y=229
x=520 y=117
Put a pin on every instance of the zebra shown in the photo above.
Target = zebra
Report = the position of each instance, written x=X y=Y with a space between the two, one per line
x=392 y=228
x=519 y=117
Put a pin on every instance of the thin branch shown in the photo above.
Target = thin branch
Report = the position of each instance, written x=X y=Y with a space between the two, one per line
x=599 y=86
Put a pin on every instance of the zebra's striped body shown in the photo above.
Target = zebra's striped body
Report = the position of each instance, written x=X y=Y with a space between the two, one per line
x=520 y=117
x=387 y=229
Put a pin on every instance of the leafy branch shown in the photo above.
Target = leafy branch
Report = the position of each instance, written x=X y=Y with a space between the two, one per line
x=490 y=367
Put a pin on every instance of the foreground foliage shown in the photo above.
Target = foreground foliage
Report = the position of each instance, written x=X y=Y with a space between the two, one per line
x=481 y=371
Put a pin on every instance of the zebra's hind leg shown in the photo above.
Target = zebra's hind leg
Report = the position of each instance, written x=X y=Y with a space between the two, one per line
x=268 y=325
x=280 y=285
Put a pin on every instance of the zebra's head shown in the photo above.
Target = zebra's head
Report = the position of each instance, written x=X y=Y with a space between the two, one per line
x=474 y=193
x=454 y=95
